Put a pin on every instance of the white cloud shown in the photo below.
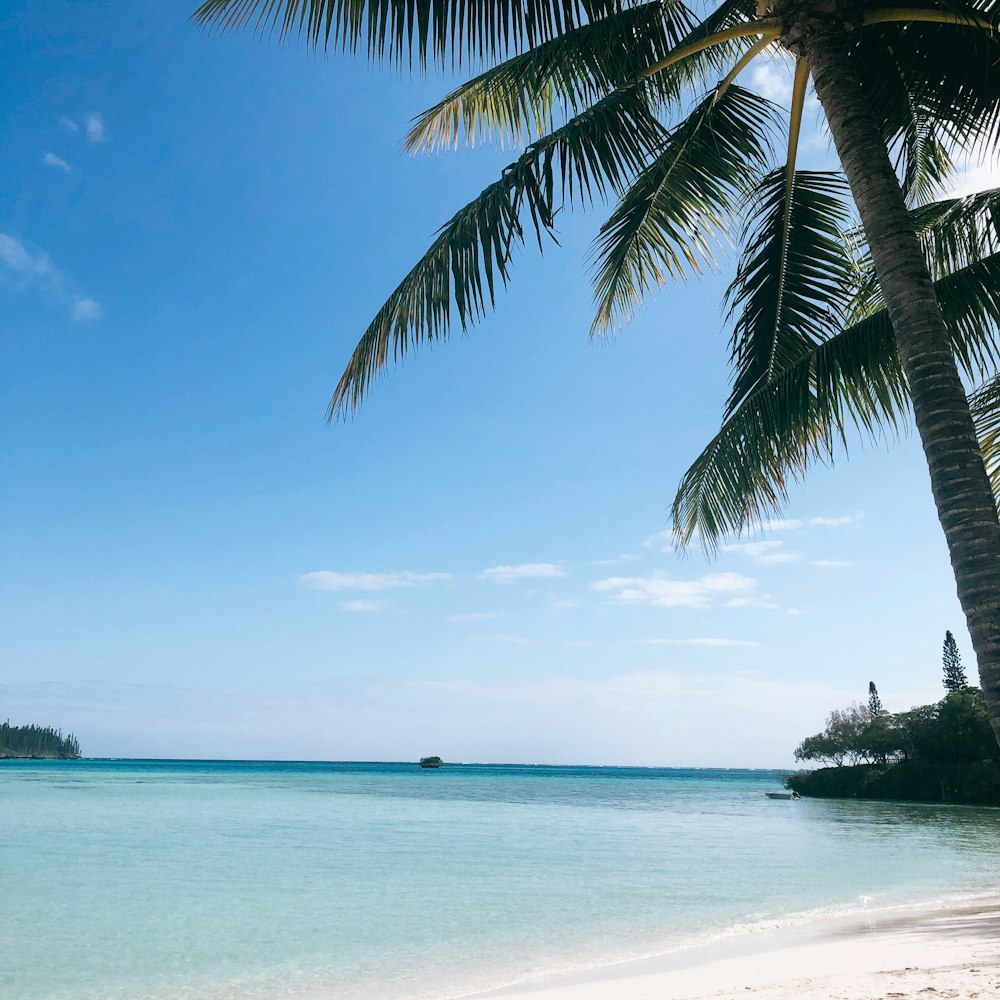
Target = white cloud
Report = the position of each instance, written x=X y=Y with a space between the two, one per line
x=93 y=124
x=331 y=580
x=835 y=522
x=766 y=603
x=69 y=124
x=525 y=571
x=784 y=524
x=475 y=616
x=662 y=540
x=974 y=173
x=514 y=640
x=51 y=160
x=31 y=266
x=792 y=611
x=698 y=641
x=830 y=563
x=34 y=268
x=773 y=80
x=624 y=557
x=661 y=591
x=581 y=643
x=84 y=309
x=564 y=605
x=362 y=606
x=769 y=553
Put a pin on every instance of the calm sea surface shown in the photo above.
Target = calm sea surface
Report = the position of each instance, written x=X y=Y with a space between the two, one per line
x=148 y=880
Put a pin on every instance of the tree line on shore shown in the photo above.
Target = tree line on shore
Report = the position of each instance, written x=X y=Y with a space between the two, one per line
x=37 y=741
x=924 y=752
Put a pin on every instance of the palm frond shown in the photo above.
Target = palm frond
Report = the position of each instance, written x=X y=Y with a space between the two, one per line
x=596 y=152
x=955 y=232
x=786 y=425
x=669 y=220
x=801 y=416
x=790 y=285
x=985 y=406
x=935 y=89
x=524 y=96
x=521 y=97
x=416 y=32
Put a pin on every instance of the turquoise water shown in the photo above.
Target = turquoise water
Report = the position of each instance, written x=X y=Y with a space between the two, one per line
x=147 y=880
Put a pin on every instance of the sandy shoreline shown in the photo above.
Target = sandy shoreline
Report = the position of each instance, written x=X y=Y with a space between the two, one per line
x=942 y=950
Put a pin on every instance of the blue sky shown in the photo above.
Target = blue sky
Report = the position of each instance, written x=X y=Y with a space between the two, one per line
x=195 y=231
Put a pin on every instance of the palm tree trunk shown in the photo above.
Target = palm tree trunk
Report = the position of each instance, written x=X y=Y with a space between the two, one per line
x=965 y=503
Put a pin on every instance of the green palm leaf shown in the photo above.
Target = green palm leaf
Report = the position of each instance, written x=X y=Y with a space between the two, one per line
x=985 y=406
x=798 y=418
x=669 y=220
x=524 y=96
x=520 y=98
x=415 y=32
x=790 y=285
x=593 y=153
x=934 y=88
x=955 y=232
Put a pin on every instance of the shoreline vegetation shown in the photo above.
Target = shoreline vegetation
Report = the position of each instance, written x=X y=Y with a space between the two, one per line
x=944 y=752
x=36 y=743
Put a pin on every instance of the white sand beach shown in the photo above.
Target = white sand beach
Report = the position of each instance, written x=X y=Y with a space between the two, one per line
x=936 y=951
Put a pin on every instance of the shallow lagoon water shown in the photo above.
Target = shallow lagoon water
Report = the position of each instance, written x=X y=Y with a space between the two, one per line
x=142 y=880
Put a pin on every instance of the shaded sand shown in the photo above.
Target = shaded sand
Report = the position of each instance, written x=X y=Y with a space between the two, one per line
x=925 y=953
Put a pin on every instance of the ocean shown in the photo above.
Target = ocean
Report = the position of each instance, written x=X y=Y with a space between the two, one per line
x=212 y=880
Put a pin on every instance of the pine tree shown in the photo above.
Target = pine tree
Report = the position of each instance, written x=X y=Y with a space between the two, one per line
x=954 y=676
x=874 y=701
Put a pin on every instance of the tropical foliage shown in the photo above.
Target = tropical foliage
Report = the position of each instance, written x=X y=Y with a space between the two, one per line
x=637 y=102
x=36 y=741
x=850 y=378
x=956 y=730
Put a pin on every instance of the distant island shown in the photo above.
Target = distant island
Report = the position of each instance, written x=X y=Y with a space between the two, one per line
x=37 y=743
x=945 y=752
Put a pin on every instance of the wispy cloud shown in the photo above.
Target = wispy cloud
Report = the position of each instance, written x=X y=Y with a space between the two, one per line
x=34 y=269
x=698 y=641
x=362 y=606
x=475 y=616
x=774 y=81
x=662 y=540
x=795 y=524
x=331 y=580
x=69 y=124
x=524 y=571
x=565 y=604
x=830 y=563
x=85 y=309
x=614 y=561
x=514 y=640
x=33 y=266
x=765 y=603
x=768 y=553
x=51 y=160
x=93 y=125
x=661 y=591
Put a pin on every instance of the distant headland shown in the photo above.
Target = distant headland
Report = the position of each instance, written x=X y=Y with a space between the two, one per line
x=37 y=743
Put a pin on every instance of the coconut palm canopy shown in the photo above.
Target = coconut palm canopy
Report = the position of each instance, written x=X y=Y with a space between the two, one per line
x=640 y=104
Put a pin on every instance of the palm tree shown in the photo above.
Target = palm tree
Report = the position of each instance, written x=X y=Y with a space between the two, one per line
x=597 y=91
x=805 y=411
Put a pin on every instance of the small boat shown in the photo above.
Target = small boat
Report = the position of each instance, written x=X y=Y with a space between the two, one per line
x=430 y=762
x=782 y=795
